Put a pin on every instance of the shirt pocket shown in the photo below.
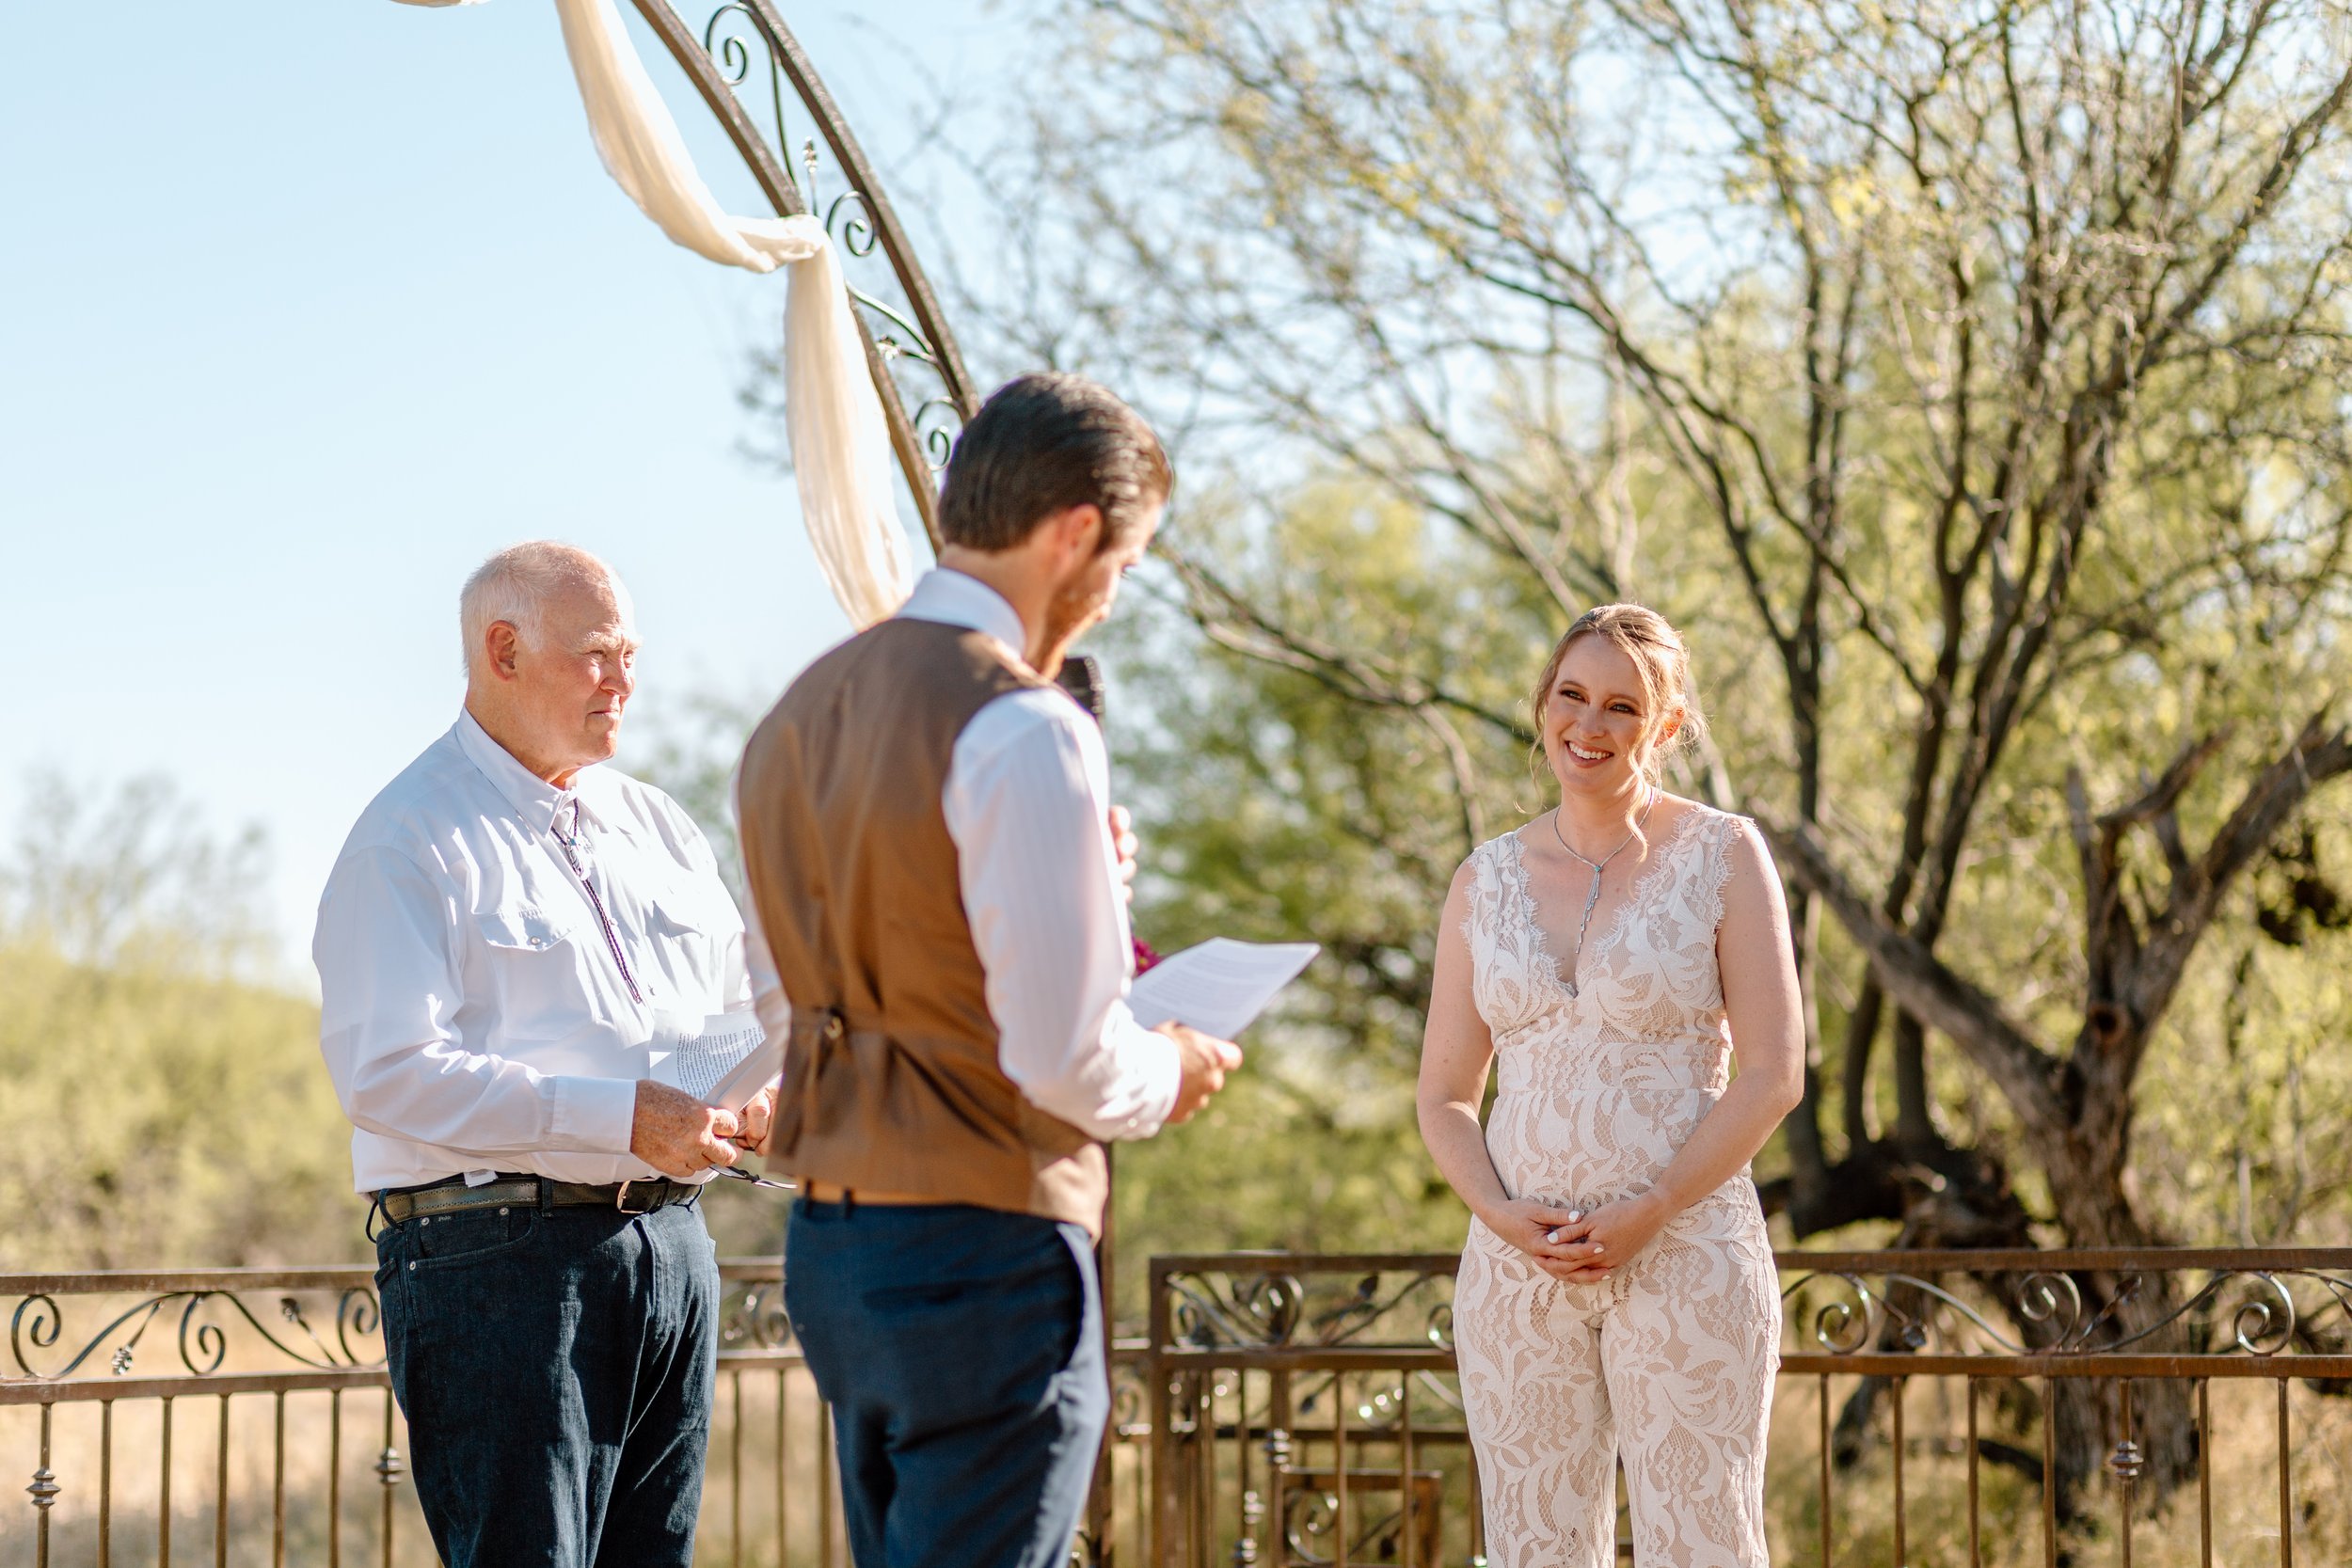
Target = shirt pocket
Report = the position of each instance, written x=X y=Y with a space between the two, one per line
x=521 y=928
x=672 y=914
x=692 y=910
x=535 y=978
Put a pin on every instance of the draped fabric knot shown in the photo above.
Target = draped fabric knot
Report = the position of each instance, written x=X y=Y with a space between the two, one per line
x=834 y=419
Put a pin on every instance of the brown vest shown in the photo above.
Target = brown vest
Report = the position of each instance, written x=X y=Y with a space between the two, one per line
x=891 y=1080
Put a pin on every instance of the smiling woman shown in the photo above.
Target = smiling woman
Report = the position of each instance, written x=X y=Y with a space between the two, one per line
x=1616 y=1299
x=1661 y=701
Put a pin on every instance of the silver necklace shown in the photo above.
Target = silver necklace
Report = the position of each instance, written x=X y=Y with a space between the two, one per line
x=1593 y=897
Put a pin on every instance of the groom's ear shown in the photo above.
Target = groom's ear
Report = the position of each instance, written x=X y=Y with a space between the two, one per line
x=1077 y=531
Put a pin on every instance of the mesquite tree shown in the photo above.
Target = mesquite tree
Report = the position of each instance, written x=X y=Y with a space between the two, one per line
x=1970 y=380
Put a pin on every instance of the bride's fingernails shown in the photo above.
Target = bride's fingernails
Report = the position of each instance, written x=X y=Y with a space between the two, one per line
x=1575 y=1214
x=1597 y=1247
x=1552 y=1236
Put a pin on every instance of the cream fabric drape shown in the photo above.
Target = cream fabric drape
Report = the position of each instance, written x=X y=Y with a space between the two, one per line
x=833 y=414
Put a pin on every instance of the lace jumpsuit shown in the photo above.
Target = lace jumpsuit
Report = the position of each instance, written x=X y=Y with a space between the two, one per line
x=1666 y=1362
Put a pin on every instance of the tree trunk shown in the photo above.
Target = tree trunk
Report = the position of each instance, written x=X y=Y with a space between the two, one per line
x=2097 y=1211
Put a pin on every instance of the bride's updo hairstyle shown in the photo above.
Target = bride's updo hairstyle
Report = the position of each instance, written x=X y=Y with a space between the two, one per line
x=1658 y=653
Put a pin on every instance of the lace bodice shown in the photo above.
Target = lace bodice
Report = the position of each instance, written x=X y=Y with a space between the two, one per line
x=1597 y=1090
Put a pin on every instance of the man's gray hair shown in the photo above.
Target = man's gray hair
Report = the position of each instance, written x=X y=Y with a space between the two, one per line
x=514 y=585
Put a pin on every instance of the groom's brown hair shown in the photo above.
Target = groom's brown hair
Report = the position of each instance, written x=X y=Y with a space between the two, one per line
x=1044 y=443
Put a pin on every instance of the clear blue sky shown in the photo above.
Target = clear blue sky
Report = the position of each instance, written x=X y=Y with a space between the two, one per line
x=305 y=308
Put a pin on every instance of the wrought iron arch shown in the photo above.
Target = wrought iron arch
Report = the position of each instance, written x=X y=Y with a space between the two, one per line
x=906 y=336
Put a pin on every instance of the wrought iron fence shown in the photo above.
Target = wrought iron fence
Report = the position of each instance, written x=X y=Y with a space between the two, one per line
x=1305 y=1410
x=244 y=1415
x=1281 y=1410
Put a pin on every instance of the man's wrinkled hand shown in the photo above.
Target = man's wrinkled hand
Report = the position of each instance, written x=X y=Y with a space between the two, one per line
x=677 y=1135
x=1204 y=1060
x=755 y=1121
x=1124 y=844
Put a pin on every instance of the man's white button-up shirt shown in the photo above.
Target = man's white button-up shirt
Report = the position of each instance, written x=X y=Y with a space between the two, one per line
x=1027 y=803
x=473 y=1012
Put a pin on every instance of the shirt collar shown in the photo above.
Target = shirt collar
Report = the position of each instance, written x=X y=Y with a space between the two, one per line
x=956 y=599
x=536 y=800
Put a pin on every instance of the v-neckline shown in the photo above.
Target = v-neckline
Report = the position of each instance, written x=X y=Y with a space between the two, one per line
x=1531 y=913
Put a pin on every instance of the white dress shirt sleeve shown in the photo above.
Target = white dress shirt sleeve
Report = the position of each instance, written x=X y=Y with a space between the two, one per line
x=1028 y=803
x=390 y=987
x=768 y=999
x=739 y=987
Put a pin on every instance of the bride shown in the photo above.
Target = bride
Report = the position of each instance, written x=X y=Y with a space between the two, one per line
x=1618 y=1298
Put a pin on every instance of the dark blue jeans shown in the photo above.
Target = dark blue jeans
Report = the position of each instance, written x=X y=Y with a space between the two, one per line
x=962 y=1350
x=556 y=1370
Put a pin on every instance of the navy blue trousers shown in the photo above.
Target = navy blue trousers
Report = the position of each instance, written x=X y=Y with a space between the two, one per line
x=556 y=1370
x=962 y=1350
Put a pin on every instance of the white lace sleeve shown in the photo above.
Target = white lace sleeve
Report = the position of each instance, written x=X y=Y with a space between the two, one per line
x=1508 y=973
x=1714 y=869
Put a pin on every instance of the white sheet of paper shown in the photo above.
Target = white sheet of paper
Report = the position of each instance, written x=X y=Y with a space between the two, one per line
x=1220 y=986
x=722 y=1061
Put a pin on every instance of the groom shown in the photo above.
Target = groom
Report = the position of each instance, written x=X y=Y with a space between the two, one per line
x=925 y=830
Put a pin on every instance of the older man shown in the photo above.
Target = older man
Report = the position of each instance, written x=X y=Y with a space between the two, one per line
x=502 y=929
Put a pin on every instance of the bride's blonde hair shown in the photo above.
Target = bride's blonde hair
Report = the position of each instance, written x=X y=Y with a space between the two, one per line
x=1661 y=660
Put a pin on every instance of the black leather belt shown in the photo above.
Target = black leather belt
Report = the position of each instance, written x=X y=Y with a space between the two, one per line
x=402 y=1204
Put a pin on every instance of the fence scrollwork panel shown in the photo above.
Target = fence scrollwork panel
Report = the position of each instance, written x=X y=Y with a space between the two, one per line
x=2223 y=1309
x=206 y=1327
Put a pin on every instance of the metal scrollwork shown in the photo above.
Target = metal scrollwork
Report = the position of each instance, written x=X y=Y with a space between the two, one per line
x=1840 y=1325
x=1261 y=1310
x=758 y=1319
x=2262 y=1327
x=357 y=1311
x=41 y=1329
x=903 y=341
x=201 y=1341
x=730 y=50
x=1308 y=1516
x=937 y=421
x=854 y=233
x=209 y=1347
x=789 y=133
x=2053 y=1301
x=2256 y=1311
x=1310 y=1526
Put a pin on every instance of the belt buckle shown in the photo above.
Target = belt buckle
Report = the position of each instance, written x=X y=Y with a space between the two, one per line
x=620 y=1198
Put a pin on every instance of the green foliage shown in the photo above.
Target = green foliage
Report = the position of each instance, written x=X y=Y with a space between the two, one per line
x=157 y=1118
x=1968 y=390
x=161 y=1106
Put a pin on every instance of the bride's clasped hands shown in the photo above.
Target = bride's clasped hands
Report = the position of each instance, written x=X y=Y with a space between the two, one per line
x=1574 y=1246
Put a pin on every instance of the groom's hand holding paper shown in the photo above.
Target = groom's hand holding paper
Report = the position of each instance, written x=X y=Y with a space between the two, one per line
x=1203 y=996
x=1205 y=1061
x=1218 y=988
